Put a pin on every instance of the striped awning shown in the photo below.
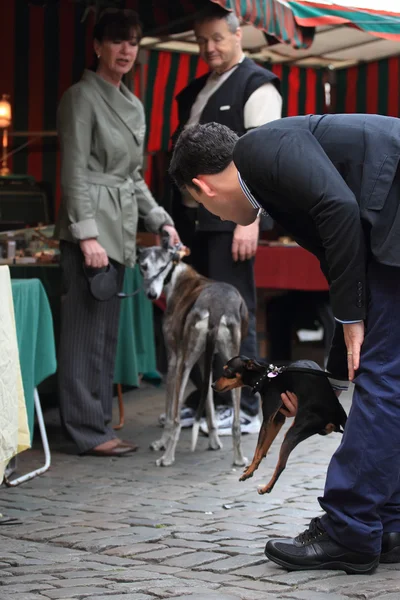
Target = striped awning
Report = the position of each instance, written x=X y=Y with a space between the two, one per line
x=382 y=22
x=293 y=21
x=169 y=17
x=275 y=17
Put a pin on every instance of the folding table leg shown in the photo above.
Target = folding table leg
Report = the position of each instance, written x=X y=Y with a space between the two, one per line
x=43 y=435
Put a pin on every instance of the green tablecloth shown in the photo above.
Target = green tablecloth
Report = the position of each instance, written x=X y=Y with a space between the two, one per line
x=136 y=349
x=35 y=336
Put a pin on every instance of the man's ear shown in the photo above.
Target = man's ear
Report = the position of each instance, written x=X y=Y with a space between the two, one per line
x=204 y=185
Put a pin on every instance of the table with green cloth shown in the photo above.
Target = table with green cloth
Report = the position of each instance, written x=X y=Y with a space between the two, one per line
x=136 y=353
x=35 y=337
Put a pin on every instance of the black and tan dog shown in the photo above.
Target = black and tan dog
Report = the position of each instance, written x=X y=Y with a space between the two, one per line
x=319 y=410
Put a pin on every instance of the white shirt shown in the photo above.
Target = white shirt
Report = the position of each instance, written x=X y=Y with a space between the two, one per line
x=264 y=105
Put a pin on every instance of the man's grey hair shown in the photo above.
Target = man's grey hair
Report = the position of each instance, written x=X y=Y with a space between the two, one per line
x=216 y=12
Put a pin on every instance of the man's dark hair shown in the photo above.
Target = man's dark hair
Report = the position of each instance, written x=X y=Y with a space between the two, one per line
x=115 y=24
x=202 y=150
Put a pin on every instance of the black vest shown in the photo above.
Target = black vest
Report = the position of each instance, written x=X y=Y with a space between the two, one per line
x=233 y=93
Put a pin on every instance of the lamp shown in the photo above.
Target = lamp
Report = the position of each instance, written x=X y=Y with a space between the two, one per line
x=5 y=122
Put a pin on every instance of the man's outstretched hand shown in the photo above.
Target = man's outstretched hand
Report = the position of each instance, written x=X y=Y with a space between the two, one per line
x=291 y=404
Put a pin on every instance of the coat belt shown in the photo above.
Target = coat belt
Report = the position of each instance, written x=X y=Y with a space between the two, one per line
x=108 y=180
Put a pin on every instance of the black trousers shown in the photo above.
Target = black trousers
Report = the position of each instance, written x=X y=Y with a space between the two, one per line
x=87 y=351
x=212 y=256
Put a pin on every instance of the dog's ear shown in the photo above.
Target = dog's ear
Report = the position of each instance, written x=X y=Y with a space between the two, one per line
x=183 y=251
x=253 y=365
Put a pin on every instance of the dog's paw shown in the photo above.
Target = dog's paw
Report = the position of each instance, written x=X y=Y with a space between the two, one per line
x=247 y=474
x=214 y=443
x=264 y=489
x=157 y=445
x=164 y=462
x=241 y=461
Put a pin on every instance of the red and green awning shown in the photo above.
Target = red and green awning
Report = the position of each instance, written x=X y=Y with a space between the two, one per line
x=293 y=21
x=380 y=23
x=275 y=18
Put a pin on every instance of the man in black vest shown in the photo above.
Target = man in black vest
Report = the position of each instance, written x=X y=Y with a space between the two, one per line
x=240 y=94
x=333 y=182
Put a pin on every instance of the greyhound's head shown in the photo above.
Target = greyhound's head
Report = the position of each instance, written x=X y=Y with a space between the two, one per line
x=156 y=264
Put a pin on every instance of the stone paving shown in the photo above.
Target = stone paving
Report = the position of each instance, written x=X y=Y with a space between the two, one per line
x=124 y=529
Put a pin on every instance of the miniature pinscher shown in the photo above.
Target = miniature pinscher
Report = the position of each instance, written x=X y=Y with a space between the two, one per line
x=319 y=410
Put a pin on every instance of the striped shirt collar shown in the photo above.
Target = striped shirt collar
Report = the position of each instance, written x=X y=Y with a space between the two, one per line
x=246 y=191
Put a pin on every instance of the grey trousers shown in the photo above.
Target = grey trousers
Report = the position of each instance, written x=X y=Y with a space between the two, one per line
x=87 y=351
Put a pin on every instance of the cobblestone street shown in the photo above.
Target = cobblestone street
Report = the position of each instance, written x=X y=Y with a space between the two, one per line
x=124 y=529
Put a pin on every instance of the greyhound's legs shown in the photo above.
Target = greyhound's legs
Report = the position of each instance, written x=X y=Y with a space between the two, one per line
x=229 y=349
x=238 y=458
x=169 y=404
x=184 y=366
x=214 y=442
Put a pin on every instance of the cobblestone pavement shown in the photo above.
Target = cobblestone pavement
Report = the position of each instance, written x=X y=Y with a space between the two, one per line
x=124 y=529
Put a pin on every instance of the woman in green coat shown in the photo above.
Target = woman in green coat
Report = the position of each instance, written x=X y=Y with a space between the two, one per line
x=101 y=128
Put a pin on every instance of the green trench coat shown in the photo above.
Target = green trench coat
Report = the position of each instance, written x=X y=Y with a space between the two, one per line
x=101 y=130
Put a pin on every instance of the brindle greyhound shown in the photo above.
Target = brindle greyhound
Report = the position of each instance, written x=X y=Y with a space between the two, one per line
x=202 y=318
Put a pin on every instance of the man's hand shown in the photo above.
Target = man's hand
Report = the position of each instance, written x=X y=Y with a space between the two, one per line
x=95 y=255
x=353 y=338
x=245 y=241
x=174 y=238
x=291 y=404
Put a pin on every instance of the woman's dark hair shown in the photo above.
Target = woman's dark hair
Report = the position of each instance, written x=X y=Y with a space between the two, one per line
x=115 y=24
x=201 y=150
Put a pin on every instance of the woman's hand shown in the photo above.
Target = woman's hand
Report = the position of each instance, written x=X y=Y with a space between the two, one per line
x=353 y=338
x=174 y=238
x=291 y=404
x=95 y=255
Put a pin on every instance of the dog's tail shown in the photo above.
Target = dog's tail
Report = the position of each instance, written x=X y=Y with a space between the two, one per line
x=211 y=342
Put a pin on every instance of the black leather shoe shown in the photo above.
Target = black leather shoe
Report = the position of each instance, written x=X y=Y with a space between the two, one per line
x=314 y=549
x=390 y=552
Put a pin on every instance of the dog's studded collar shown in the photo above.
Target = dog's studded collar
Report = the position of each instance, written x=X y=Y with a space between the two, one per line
x=270 y=372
